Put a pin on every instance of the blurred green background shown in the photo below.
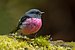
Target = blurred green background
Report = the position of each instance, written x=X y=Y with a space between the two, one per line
x=12 y=10
x=58 y=20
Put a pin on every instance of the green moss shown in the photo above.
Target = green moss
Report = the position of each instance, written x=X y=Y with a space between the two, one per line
x=39 y=43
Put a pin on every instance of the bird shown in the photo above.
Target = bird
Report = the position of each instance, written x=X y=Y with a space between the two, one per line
x=30 y=22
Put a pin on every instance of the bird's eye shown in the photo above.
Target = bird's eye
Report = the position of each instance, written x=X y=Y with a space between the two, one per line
x=37 y=12
x=32 y=12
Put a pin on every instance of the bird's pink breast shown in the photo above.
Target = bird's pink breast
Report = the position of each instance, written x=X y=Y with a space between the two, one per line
x=31 y=26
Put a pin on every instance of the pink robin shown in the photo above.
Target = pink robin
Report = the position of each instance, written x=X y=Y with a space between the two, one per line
x=30 y=23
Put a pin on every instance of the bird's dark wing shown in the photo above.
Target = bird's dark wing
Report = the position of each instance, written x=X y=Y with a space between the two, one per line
x=20 y=23
x=22 y=20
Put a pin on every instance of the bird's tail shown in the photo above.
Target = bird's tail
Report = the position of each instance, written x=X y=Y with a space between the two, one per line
x=15 y=30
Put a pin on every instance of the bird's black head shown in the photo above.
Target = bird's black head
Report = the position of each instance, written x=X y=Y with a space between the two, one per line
x=34 y=13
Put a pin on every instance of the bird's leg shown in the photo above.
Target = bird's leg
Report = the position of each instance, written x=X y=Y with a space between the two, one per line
x=50 y=38
x=32 y=36
x=35 y=35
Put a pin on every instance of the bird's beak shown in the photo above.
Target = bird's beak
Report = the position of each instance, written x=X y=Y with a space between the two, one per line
x=42 y=12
